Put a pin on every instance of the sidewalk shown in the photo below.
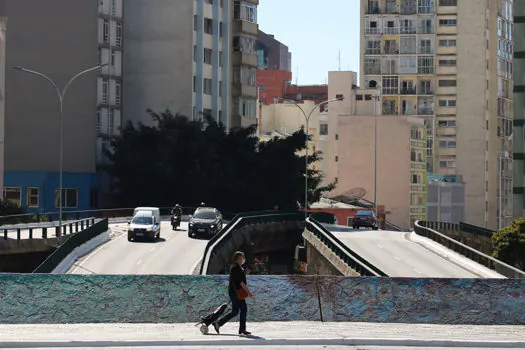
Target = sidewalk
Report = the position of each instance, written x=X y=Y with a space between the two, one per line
x=274 y=334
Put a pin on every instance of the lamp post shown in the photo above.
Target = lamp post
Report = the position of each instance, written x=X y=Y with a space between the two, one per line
x=307 y=120
x=61 y=95
x=376 y=98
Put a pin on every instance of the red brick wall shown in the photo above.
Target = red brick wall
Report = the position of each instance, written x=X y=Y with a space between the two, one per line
x=272 y=83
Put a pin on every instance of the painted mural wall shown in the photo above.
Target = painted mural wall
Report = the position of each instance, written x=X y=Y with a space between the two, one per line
x=178 y=299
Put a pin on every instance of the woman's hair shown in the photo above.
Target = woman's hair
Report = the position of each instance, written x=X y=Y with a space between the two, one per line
x=236 y=256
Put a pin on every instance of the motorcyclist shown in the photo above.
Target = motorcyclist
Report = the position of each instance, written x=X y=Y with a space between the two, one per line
x=177 y=210
x=202 y=204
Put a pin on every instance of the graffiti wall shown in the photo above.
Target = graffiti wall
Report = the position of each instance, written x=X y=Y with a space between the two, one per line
x=176 y=299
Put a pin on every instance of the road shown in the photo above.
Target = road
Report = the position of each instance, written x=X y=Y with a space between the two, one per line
x=174 y=254
x=397 y=256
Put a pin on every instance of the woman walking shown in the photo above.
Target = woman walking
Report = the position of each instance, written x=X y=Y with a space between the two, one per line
x=238 y=291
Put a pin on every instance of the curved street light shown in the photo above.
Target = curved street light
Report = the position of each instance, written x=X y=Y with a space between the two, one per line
x=61 y=95
x=307 y=120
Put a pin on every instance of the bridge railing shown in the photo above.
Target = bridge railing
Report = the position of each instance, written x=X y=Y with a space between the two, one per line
x=351 y=258
x=44 y=230
x=239 y=221
x=420 y=227
x=70 y=244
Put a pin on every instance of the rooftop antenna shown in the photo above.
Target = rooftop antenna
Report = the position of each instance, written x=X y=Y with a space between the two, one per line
x=339 y=59
x=297 y=94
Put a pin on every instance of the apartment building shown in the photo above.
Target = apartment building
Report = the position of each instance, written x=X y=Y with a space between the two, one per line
x=193 y=57
x=2 y=105
x=519 y=115
x=450 y=62
x=46 y=41
x=345 y=132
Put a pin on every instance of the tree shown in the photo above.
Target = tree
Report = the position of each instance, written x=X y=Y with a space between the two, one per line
x=184 y=161
x=509 y=244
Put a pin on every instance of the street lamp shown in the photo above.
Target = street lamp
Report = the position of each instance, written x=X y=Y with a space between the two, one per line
x=61 y=95
x=376 y=98
x=307 y=120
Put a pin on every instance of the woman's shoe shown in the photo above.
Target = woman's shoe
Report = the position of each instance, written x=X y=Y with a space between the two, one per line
x=216 y=326
x=244 y=333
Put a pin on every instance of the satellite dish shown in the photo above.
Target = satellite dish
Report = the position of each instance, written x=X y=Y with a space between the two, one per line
x=372 y=84
x=355 y=193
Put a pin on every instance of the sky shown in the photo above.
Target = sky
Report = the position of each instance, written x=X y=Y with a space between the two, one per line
x=315 y=32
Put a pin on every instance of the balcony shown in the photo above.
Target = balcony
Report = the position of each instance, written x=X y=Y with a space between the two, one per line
x=373 y=51
x=408 y=10
x=425 y=111
x=240 y=90
x=373 y=70
x=408 y=91
x=372 y=31
x=408 y=30
x=426 y=30
x=426 y=91
x=391 y=30
x=240 y=26
x=391 y=49
x=244 y=59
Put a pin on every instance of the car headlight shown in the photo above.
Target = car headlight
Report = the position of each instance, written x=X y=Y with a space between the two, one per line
x=191 y=223
x=212 y=226
x=150 y=229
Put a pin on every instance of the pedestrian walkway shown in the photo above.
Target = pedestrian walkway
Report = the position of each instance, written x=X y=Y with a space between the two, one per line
x=268 y=334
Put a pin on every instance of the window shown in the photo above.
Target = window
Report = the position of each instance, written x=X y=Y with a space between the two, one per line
x=194 y=83
x=93 y=198
x=245 y=107
x=208 y=56
x=104 y=91
x=244 y=11
x=32 y=197
x=208 y=26
x=117 y=93
x=447 y=42
x=359 y=97
x=106 y=31
x=98 y=122
x=206 y=112
x=426 y=6
x=113 y=58
x=336 y=159
x=220 y=59
x=448 y=22
x=336 y=137
x=220 y=29
x=323 y=129
x=447 y=144
x=448 y=2
x=194 y=53
x=111 y=121
x=119 y=34
x=447 y=164
x=195 y=21
x=245 y=43
x=207 y=86
x=425 y=64
x=447 y=63
x=447 y=83
x=113 y=7
x=13 y=195
x=447 y=103
x=390 y=85
x=70 y=198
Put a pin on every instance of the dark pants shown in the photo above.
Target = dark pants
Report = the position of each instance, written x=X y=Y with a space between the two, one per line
x=236 y=306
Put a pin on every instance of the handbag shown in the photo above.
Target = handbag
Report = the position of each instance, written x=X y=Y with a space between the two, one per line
x=241 y=294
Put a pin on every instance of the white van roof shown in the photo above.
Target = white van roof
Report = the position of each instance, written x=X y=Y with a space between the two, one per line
x=144 y=213
x=146 y=208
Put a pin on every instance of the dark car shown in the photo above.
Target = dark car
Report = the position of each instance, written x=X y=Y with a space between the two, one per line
x=205 y=222
x=365 y=218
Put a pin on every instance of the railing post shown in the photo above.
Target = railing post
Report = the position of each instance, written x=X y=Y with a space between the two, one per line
x=30 y=233
x=57 y=231
x=18 y=233
x=92 y=221
x=70 y=228
x=44 y=232
x=5 y=235
x=76 y=226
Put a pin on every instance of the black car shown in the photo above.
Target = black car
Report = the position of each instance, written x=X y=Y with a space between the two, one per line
x=205 y=222
x=365 y=218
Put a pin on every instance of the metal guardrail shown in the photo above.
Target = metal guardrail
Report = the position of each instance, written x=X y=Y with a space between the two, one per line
x=461 y=227
x=239 y=221
x=74 y=227
x=477 y=256
x=70 y=244
x=351 y=258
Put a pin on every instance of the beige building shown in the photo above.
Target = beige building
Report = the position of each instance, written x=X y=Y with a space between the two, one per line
x=345 y=133
x=194 y=57
x=450 y=62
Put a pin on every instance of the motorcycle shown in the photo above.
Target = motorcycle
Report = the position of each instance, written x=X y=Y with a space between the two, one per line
x=175 y=222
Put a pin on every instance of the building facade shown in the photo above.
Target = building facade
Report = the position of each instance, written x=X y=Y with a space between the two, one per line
x=272 y=54
x=3 y=36
x=344 y=132
x=445 y=199
x=194 y=58
x=519 y=110
x=64 y=46
x=448 y=62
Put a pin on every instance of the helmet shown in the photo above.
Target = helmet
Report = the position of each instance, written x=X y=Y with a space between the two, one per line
x=177 y=205
x=202 y=204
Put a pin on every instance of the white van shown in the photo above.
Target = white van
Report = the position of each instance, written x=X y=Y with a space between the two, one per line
x=145 y=224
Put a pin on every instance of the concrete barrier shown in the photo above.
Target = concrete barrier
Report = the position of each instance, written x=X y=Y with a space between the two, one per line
x=49 y=298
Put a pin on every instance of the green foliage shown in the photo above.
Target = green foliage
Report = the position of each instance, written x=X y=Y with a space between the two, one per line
x=187 y=162
x=509 y=244
x=7 y=208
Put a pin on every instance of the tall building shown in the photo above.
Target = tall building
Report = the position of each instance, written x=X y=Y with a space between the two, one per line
x=192 y=57
x=45 y=40
x=519 y=112
x=2 y=105
x=450 y=62
x=272 y=54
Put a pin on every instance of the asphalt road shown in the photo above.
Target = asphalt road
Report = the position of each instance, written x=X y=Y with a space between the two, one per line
x=397 y=256
x=173 y=254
